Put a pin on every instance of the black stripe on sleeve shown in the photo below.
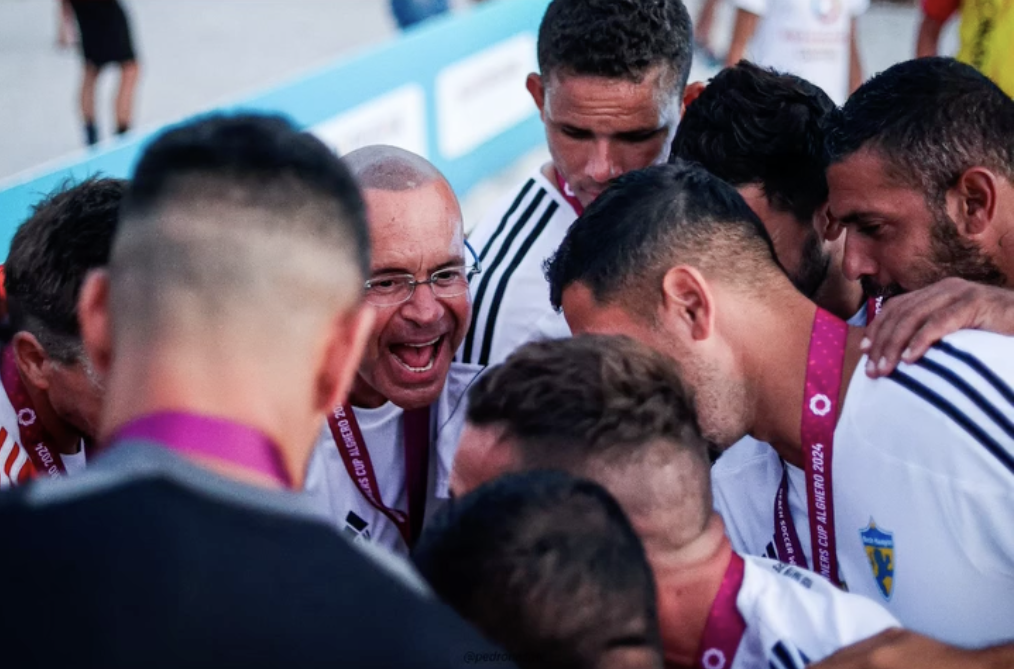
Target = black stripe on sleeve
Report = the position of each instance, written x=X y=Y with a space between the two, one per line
x=494 y=307
x=970 y=392
x=784 y=657
x=503 y=221
x=1005 y=391
x=956 y=415
x=488 y=272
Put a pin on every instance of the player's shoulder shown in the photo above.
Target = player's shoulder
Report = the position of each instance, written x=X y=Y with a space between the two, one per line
x=960 y=392
x=794 y=605
x=534 y=195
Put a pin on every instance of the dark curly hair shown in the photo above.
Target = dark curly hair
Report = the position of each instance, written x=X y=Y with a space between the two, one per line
x=753 y=125
x=69 y=233
x=616 y=38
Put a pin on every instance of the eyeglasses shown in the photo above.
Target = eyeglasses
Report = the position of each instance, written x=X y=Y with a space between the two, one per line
x=388 y=290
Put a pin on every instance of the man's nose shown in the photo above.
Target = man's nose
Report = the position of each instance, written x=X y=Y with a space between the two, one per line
x=858 y=261
x=423 y=307
x=602 y=167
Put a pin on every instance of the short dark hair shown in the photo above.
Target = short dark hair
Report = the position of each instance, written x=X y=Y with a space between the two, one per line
x=259 y=159
x=563 y=401
x=649 y=220
x=546 y=565
x=615 y=38
x=931 y=119
x=753 y=125
x=69 y=233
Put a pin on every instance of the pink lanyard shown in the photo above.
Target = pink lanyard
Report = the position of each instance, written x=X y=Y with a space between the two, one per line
x=33 y=435
x=824 y=368
x=725 y=626
x=210 y=437
x=356 y=456
x=567 y=193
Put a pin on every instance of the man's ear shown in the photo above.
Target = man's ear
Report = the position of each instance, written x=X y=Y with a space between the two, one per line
x=687 y=302
x=692 y=92
x=350 y=331
x=93 y=317
x=537 y=89
x=834 y=228
x=974 y=198
x=822 y=223
x=31 y=359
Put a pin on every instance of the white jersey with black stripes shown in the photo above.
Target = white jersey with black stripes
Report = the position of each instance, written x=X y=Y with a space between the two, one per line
x=510 y=299
x=923 y=488
x=795 y=617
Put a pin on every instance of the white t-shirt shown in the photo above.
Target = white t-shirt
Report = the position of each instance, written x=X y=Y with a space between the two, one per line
x=744 y=482
x=333 y=494
x=923 y=473
x=510 y=299
x=795 y=617
x=927 y=501
x=808 y=38
x=15 y=464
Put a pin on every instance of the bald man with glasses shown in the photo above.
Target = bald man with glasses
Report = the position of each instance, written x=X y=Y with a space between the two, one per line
x=382 y=462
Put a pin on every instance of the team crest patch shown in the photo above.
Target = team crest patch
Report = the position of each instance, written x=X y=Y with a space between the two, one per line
x=880 y=552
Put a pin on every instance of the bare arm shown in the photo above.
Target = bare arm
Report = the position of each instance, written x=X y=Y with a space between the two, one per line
x=746 y=25
x=929 y=37
x=855 y=64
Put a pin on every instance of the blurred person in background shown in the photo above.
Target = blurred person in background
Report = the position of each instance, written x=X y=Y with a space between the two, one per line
x=986 y=35
x=702 y=32
x=549 y=567
x=49 y=408
x=610 y=89
x=105 y=38
x=381 y=463
x=814 y=39
x=411 y=12
x=229 y=321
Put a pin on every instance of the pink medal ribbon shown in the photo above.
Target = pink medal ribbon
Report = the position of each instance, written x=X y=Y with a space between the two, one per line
x=824 y=369
x=34 y=436
x=568 y=193
x=725 y=626
x=211 y=437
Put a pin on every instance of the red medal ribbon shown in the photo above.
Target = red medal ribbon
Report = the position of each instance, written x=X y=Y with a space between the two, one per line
x=567 y=193
x=356 y=457
x=34 y=437
x=873 y=307
x=725 y=627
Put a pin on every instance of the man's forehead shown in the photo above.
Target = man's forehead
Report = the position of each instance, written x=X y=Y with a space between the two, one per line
x=653 y=95
x=865 y=182
x=586 y=314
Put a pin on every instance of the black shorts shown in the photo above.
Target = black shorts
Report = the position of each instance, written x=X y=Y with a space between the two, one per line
x=105 y=33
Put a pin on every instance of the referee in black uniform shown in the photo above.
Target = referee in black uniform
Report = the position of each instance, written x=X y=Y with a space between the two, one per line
x=105 y=38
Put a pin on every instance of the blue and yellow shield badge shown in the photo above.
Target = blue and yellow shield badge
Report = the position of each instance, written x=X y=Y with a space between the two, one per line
x=880 y=552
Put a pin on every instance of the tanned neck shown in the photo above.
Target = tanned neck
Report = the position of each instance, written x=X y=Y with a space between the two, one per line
x=66 y=439
x=214 y=386
x=687 y=582
x=776 y=354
